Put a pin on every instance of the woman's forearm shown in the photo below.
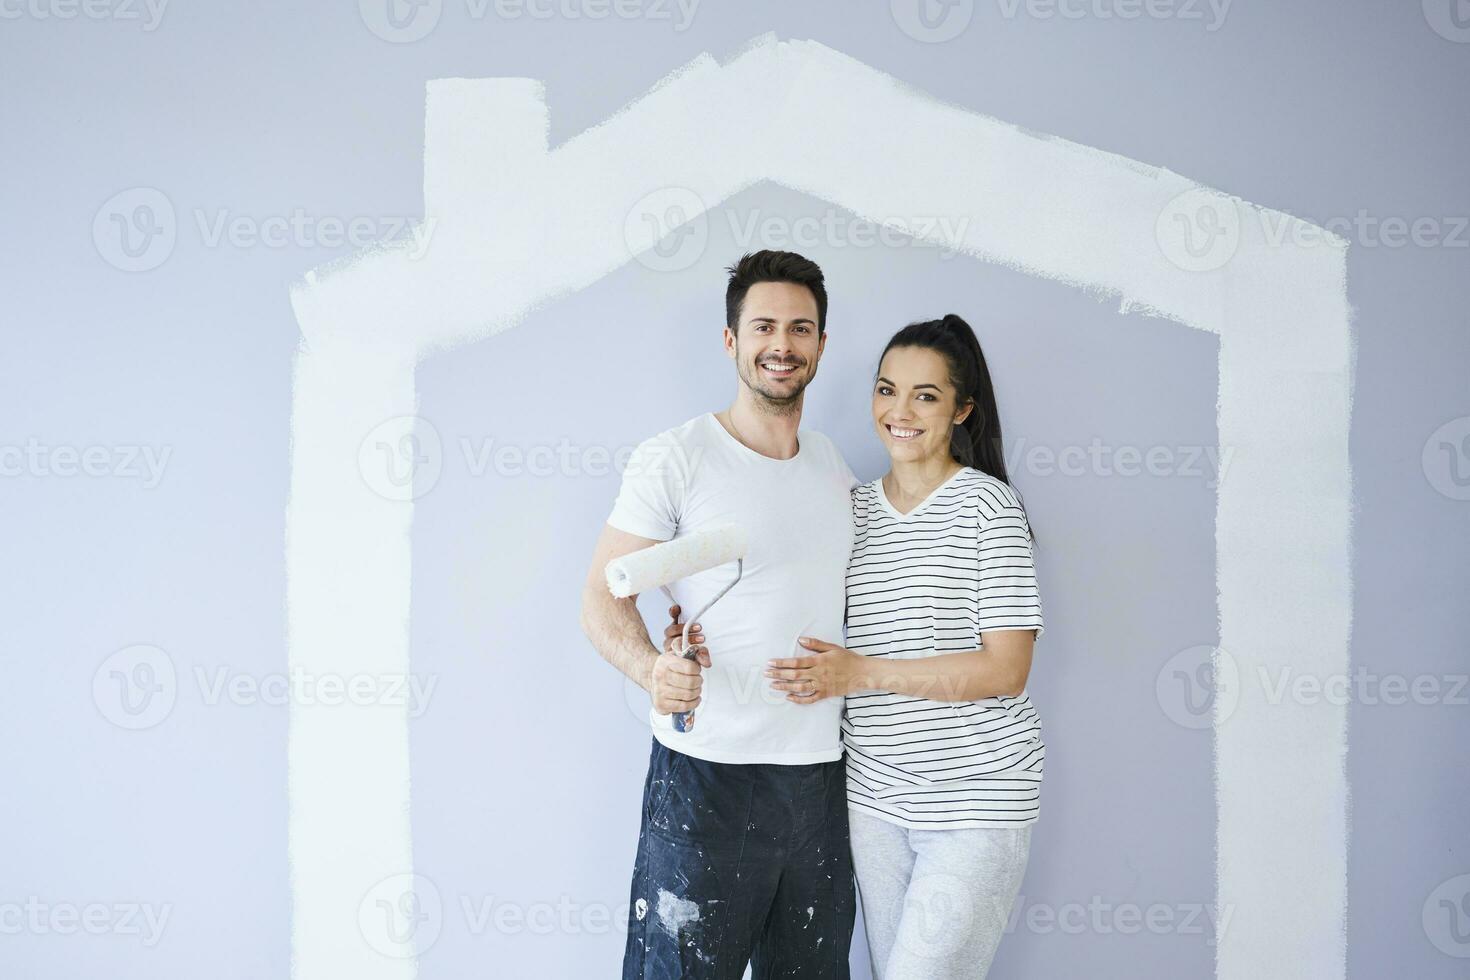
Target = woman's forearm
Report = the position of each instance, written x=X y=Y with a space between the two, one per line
x=968 y=676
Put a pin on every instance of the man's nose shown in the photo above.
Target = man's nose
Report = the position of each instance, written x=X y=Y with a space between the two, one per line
x=788 y=341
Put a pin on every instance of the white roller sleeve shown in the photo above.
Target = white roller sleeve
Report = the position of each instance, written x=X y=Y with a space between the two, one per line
x=680 y=558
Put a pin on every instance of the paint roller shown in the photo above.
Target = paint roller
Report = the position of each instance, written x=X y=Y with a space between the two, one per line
x=666 y=563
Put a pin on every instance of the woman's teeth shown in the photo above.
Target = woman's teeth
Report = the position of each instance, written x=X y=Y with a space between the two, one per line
x=903 y=434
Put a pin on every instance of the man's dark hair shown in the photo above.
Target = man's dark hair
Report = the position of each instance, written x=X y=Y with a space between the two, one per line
x=770 y=266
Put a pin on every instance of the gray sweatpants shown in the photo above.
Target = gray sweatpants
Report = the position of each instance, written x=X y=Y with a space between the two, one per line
x=935 y=902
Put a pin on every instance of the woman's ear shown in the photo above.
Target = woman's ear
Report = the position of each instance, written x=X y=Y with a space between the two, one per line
x=964 y=413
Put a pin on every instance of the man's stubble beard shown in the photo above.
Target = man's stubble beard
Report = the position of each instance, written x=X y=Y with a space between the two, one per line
x=765 y=402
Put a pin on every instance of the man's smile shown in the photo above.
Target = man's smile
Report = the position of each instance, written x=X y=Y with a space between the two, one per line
x=778 y=369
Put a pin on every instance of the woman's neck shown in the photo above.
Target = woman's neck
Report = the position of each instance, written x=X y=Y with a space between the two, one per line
x=910 y=481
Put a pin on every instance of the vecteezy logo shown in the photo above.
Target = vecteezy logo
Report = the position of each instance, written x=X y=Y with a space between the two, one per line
x=401 y=915
x=135 y=230
x=1450 y=19
x=667 y=230
x=941 y=909
x=400 y=21
x=1446 y=459
x=1446 y=917
x=1199 y=230
x=135 y=688
x=401 y=459
x=932 y=21
x=1197 y=686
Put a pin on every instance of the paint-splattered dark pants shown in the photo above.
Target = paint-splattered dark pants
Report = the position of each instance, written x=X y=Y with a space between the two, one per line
x=740 y=863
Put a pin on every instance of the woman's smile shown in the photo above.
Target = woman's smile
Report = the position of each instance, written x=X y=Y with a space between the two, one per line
x=902 y=434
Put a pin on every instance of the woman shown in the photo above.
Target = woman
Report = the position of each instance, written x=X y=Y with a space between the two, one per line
x=944 y=751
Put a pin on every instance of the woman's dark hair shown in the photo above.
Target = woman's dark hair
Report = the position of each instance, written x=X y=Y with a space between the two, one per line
x=977 y=440
x=771 y=266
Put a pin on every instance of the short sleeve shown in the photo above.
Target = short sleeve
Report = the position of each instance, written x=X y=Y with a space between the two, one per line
x=651 y=497
x=1007 y=597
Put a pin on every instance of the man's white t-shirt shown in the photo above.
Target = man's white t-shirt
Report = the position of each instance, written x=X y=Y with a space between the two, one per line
x=798 y=518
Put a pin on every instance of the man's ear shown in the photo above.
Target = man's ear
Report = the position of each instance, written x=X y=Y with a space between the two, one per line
x=729 y=342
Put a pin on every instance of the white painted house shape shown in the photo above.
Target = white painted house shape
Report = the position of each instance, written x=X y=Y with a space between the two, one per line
x=515 y=225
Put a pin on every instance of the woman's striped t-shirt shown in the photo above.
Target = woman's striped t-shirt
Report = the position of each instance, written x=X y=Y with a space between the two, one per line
x=930 y=582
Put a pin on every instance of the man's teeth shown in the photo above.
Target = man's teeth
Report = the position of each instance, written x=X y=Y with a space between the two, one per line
x=780 y=368
x=904 y=433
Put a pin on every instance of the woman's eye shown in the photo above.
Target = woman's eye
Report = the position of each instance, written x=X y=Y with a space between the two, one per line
x=884 y=391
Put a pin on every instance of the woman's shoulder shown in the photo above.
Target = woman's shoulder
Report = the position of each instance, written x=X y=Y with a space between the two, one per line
x=865 y=491
x=990 y=493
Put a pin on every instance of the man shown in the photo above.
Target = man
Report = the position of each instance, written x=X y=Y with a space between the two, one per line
x=743 y=849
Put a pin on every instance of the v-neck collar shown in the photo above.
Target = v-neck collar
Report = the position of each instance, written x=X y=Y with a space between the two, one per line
x=896 y=514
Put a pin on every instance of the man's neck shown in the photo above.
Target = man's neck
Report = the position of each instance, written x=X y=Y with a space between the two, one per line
x=769 y=433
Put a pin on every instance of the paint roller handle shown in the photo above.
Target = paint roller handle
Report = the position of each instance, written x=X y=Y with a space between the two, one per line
x=686 y=644
x=685 y=719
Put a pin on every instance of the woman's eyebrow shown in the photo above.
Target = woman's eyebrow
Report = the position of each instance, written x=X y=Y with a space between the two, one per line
x=916 y=387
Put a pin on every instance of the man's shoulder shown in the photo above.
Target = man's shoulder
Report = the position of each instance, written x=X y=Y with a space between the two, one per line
x=827 y=453
x=687 y=433
x=824 y=446
x=669 y=455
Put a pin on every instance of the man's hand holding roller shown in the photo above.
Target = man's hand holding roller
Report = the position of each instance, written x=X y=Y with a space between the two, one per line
x=675 y=684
